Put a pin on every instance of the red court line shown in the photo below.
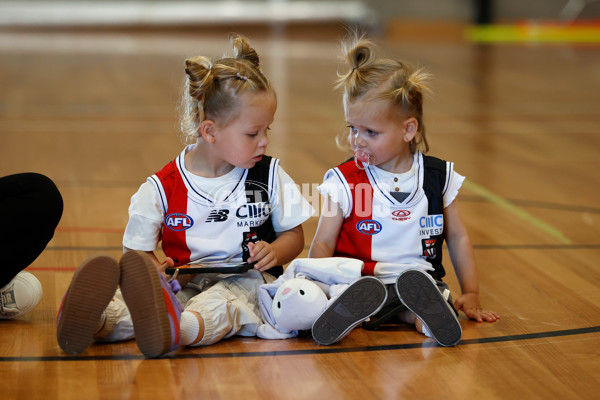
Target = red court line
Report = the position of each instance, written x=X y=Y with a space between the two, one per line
x=89 y=229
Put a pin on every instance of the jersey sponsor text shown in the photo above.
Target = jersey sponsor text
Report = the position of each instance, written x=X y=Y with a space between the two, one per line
x=253 y=210
x=431 y=225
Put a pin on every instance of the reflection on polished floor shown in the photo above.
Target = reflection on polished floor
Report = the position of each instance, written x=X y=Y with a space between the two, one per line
x=96 y=112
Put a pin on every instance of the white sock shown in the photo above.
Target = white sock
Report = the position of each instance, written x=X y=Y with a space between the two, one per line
x=101 y=323
x=426 y=331
x=188 y=328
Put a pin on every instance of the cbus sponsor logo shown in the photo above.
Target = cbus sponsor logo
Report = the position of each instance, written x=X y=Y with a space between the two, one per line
x=401 y=215
x=368 y=227
x=178 y=222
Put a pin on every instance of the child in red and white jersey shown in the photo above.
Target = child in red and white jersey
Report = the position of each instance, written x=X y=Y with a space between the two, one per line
x=392 y=206
x=222 y=200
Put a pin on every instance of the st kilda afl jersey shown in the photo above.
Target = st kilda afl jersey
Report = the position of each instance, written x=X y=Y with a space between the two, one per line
x=388 y=235
x=216 y=227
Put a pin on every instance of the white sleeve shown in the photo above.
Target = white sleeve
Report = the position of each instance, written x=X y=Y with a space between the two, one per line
x=145 y=219
x=290 y=208
x=456 y=181
x=335 y=188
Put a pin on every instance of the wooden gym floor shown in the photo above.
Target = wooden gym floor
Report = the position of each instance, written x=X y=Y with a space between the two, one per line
x=96 y=112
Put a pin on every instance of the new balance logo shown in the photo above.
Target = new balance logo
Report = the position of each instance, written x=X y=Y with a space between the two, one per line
x=217 y=216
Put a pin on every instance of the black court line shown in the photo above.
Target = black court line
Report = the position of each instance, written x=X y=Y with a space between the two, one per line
x=321 y=350
x=533 y=246
x=575 y=246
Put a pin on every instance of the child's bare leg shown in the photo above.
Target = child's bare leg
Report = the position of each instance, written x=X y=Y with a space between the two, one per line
x=410 y=318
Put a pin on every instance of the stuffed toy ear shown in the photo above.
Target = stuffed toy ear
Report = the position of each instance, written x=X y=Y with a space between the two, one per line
x=297 y=304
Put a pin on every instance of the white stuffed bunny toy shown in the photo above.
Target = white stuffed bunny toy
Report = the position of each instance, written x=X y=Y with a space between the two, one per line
x=297 y=298
x=297 y=304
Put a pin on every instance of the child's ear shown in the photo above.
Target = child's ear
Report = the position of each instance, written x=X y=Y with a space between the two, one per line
x=207 y=130
x=411 y=125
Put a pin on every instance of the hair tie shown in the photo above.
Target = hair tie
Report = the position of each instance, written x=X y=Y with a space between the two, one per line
x=242 y=77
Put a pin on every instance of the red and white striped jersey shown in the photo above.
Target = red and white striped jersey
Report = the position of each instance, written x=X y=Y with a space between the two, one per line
x=213 y=225
x=388 y=235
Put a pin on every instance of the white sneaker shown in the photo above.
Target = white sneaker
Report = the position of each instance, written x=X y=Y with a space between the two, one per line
x=20 y=295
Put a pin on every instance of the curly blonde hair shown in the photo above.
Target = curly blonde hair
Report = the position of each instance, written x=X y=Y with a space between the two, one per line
x=383 y=78
x=212 y=88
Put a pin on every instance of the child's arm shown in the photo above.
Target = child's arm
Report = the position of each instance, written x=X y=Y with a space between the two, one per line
x=461 y=254
x=328 y=230
x=281 y=251
x=161 y=266
x=150 y=253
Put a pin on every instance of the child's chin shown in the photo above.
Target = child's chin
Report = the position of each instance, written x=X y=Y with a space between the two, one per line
x=246 y=165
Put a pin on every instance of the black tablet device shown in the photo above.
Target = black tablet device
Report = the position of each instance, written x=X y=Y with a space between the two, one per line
x=221 y=268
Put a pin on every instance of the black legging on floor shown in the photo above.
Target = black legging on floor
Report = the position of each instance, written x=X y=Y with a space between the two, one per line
x=30 y=208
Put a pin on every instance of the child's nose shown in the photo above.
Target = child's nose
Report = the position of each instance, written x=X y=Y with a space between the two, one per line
x=359 y=140
x=264 y=140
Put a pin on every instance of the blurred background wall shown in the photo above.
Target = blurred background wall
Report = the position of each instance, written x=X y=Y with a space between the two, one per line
x=376 y=12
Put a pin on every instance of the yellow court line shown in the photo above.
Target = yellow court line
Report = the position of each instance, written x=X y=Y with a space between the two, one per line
x=516 y=211
x=546 y=33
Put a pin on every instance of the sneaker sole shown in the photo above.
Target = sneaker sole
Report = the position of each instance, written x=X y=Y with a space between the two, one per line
x=92 y=288
x=143 y=294
x=420 y=294
x=359 y=301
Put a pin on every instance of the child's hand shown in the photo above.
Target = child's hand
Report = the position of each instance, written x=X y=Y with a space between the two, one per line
x=263 y=254
x=166 y=264
x=470 y=305
x=183 y=279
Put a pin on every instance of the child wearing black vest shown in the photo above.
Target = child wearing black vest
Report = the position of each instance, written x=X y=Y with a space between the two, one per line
x=392 y=207
x=222 y=200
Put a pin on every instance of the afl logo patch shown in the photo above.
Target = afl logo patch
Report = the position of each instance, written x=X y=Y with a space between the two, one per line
x=368 y=227
x=178 y=222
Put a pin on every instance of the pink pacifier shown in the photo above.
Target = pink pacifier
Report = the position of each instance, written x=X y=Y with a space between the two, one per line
x=362 y=159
